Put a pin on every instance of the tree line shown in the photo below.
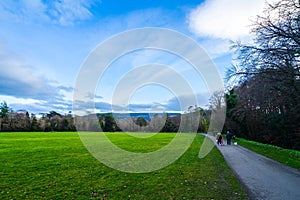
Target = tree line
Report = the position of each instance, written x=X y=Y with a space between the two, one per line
x=264 y=105
x=21 y=120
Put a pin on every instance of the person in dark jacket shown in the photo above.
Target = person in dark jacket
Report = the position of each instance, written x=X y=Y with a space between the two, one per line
x=219 y=139
x=228 y=137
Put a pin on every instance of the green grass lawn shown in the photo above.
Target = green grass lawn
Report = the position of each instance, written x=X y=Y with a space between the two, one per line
x=288 y=157
x=57 y=166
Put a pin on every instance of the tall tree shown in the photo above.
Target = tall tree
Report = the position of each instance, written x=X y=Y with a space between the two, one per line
x=217 y=106
x=140 y=121
x=269 y=92
x=4 y=118
x=4 y=109
x=34 y=123
x=108 y=123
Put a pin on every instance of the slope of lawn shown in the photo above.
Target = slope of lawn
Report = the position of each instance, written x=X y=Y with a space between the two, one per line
x=55 y=165
x=286 y=156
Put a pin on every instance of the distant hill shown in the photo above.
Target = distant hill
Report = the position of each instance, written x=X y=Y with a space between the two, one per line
x=146 y=116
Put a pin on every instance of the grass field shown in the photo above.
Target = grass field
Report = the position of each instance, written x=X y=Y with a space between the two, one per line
x=57 y=166
x=288 y=157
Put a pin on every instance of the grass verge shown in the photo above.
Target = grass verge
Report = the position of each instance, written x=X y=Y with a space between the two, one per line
x=57 y=166
x=286 y=156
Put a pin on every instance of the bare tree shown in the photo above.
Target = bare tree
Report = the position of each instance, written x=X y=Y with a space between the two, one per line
x=276 y=44
x=268 y=94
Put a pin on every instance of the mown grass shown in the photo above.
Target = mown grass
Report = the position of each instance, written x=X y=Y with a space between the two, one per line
x=286 y=156
x=57 y=166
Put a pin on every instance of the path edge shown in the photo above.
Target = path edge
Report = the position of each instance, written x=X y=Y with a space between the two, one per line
x=246 y=189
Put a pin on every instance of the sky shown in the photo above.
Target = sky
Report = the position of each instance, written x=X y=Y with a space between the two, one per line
x=44 y=45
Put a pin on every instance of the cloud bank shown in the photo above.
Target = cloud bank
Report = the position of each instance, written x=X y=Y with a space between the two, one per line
x=26 y=88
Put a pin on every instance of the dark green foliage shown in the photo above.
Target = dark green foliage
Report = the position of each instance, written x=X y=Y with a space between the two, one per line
x=4 y=116
x=204 y=125
x=267 y=111
x=171 y=124
x=140 y=121
x=34 y=123
x=4 y=109
x=231 y=100
x=108 y=123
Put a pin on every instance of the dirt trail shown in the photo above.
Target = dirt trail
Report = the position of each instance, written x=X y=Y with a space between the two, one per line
x=263 y=178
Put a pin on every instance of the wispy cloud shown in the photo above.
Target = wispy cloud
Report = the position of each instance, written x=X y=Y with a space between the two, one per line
x=65 y=12
x=149 y=17
x=225 y=19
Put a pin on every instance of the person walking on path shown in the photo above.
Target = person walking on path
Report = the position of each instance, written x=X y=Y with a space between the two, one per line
x=228 y=137
x=263 y=178
x=219 y=139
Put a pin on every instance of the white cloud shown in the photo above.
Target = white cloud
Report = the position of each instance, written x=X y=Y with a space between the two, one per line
x=23 y=87
x=14 y=100
x=225 y=19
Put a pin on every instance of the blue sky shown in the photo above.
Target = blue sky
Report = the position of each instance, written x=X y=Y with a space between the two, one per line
x=43 y=45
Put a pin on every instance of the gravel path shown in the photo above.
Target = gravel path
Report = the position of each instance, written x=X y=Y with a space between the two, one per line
x=262 y=177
